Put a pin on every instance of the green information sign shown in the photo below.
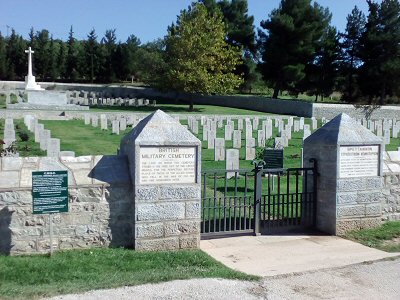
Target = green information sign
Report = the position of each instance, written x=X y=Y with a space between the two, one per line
x=273 y=158
x=50 y=192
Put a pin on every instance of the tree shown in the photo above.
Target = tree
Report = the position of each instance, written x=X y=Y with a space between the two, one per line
x=199 y=59
x=42 y=54
x=71 y=64
x=130 y=58
x=240 y=32
x=294 y=30
x=321 y=75
x=17 y=60
x=3 y=58
x=62 y=59
x=151 y=65
x=380 y=53
x=350 y=56
x=91 y=58
x=108 y=47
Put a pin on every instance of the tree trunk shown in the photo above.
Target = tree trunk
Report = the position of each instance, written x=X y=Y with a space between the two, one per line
x=383 y=94
x=276 y=92
x=191 y=102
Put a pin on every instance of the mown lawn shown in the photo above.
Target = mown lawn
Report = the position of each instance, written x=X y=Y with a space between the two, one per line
x=76 y=271
x=88 y=140
x=84 y=139
x=385 y=237
x=181 y=108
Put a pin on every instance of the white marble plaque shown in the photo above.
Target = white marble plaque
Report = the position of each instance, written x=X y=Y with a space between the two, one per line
x=359 y=161
x=163 y=165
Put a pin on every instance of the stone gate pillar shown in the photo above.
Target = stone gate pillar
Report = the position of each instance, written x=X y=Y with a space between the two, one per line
x=164 y=162
x=350 y=181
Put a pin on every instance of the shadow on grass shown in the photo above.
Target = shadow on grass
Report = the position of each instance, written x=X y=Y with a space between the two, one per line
x=165 y=107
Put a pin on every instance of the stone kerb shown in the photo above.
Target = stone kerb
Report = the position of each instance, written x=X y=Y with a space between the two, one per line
x=350 y=182
x=164 y=161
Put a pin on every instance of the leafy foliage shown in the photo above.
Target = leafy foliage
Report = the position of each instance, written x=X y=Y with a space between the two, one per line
x=198 y=58
x=294 y=31
x=350 y=54
x=380 y=53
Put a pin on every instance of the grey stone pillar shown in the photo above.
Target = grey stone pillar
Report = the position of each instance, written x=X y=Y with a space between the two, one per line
x=350 y=180
x=164 y=162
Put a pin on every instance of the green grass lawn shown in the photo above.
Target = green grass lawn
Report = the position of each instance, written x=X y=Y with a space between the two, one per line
x=26 y=147
x=75 y=271
x=385 y=237
x=84 y=139
x=181 y=108
x=3 y=101
x=88 y=140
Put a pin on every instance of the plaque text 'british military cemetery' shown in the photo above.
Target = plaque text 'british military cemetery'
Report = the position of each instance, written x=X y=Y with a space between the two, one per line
x=163 y=165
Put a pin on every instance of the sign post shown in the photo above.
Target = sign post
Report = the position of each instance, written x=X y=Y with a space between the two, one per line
x=50 y=195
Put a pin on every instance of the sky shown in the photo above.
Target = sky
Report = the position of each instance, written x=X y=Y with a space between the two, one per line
x=147 y=19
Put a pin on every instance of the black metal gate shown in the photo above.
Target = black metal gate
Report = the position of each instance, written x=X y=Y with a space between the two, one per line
x=258 y=201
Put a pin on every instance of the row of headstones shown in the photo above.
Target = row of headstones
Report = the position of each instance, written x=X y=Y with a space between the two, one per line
x=91 y=98
x=117 y=125
x=18 y=94
x=210 y=126
x=43 y=136
x=385 y=128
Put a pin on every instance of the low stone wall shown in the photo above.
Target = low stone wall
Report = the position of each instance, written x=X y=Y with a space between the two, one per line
x=100 y=205
x=391 y=198
x=330 y=111
x=262 y=104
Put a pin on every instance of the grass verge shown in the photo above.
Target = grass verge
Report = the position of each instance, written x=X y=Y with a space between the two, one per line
x=76 y=271
x=385 y=237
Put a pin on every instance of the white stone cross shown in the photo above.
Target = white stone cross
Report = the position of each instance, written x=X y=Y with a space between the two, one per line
x=29 y=51
x=30 y=82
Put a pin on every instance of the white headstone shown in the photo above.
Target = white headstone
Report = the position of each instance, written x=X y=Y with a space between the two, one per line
x=232 y=162
x=115 y=127
x=250 y=149
x=53 y=147
x=44 y=138
x=219 y=149
x=237 y=139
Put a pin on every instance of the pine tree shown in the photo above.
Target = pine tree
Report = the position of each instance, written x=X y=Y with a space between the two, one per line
x=294 y=30
x=53 y=67
x=380 y=53
x=91 y=58
x=17 y=60
x=321 y=75
x=42 y=55
x=350 y=56
x=109 y=47
x=3 y=58
x=71 y=64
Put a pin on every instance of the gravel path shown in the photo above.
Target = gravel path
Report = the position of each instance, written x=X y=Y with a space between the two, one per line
x=379 y=280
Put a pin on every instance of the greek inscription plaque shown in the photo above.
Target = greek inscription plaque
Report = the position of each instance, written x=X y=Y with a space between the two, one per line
x=359 y=161
x=161 y=165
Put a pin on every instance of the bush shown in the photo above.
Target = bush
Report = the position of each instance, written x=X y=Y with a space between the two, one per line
x=23 y=135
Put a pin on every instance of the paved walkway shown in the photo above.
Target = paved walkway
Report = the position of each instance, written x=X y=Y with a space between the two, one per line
x=277 y=255
x=378 y=280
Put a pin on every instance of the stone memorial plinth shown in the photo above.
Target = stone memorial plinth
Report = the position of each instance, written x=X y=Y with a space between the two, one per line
x=350 y=182
x=164 y=163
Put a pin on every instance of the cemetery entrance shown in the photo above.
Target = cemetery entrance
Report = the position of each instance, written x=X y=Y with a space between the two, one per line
x=258 y=201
